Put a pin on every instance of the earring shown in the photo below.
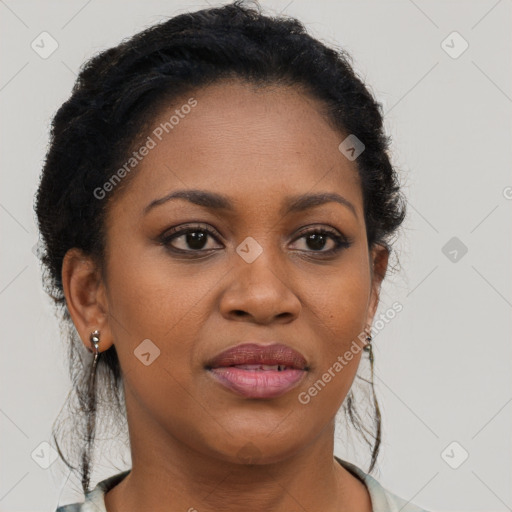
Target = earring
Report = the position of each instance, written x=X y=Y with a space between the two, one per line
x=378 y=417
x=368 y=346
x=90 y=401
x=94 y=339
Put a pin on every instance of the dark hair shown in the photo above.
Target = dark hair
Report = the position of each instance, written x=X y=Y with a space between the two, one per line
x=117 y=94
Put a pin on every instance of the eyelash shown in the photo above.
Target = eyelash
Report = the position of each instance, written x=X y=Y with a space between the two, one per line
x=341 y=242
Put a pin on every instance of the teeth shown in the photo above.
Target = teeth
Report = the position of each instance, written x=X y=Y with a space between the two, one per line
x=275 y=367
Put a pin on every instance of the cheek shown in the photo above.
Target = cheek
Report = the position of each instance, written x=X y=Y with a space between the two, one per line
x=341 y=300
x=339 y=331
x=338 y=313
x=150 y=298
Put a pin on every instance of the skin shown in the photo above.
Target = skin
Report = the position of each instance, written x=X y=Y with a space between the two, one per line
x=256 y=146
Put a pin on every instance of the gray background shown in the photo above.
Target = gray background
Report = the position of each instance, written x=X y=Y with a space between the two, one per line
x=443 y=369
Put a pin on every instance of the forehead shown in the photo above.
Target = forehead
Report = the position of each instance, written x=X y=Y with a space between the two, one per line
x=253 y=144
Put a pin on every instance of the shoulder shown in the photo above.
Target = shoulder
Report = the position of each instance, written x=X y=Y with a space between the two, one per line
x=95 y=499
x=72 y=507
x=86 y=506
x=382 y=499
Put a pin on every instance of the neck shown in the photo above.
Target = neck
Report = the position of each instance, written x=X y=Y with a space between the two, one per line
x=169 y=475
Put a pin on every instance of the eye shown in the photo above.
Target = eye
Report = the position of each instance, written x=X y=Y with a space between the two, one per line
x=197 y=238
x=324 y=241
x=189 y=238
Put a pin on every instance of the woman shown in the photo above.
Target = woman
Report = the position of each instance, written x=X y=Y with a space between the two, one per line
x=216 y=207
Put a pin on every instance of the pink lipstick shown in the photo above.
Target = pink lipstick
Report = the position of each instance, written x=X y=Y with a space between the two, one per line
x=258 y=371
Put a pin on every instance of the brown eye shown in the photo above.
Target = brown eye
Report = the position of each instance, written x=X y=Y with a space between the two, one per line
x=317 y=240
x=190 y=239
x=194 y=239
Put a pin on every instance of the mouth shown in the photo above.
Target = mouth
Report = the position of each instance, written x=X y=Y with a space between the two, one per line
x=258 y=371
x=262 y=357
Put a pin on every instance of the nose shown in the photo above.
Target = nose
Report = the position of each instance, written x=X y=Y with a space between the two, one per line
x=258 y=292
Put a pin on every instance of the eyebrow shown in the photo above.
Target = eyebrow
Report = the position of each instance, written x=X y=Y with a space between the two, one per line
x=217 y=201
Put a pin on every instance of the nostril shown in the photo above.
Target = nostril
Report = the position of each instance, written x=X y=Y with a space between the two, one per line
x=239 y=312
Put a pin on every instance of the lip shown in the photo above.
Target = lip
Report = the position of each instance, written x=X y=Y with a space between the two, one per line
x=229 y=369
x=253 y=353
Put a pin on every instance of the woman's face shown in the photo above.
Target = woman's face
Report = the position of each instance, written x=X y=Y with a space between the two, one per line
x=248 y=273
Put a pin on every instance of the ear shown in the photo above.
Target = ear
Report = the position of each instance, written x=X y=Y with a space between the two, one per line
x=379 y=257
x=86 y=297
